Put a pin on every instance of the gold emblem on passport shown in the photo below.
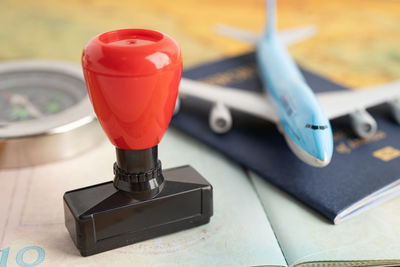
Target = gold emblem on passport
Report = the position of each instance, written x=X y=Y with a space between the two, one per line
x=349 y=144
x=387 y=153
x=343 y=148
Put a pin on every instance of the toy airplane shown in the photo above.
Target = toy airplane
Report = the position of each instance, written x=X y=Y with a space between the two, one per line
x=301 y=116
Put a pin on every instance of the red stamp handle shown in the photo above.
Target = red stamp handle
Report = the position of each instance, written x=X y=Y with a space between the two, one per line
x=132 y=77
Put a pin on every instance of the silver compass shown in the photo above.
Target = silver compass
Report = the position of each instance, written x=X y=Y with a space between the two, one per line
x=45 y=113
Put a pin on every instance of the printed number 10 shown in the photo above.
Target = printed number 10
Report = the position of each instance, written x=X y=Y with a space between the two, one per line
x=20 y=256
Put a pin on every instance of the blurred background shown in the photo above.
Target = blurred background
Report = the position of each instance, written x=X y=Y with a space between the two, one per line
x=357 y=44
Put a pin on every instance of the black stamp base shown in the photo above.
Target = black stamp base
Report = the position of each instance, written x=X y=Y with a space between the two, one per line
x=101 y=217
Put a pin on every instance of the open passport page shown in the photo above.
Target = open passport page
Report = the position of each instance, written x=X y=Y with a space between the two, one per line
x=32 y=226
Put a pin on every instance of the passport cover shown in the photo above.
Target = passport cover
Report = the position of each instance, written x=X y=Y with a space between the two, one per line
x=359 y=167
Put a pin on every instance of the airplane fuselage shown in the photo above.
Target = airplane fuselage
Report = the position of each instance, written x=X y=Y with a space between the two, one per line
x=303 y=123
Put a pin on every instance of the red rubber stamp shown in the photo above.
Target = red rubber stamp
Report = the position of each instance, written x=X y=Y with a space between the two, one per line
x=132 y=77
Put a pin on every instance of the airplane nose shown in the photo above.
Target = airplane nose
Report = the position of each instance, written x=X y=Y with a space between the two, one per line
x=324 y=146
x=323 y=158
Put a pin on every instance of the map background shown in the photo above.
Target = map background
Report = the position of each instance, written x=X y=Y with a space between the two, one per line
x=357 y=44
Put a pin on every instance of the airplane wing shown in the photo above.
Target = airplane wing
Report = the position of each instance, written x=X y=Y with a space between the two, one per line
x=236 y=33
x=336 y=104
x=287 y=37
x=256 y=104
x=293 y=36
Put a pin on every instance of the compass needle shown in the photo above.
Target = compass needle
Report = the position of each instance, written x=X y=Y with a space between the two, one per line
x=28 y=105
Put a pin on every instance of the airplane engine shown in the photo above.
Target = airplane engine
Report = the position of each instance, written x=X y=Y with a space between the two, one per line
x=395 y=109
x=220 y=119
x=363 y=124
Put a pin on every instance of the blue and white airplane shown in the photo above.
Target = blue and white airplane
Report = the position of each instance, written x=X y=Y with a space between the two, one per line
x=301 y=116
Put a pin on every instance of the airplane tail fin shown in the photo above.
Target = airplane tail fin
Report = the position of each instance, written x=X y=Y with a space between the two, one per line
x=287 y=37
x=270 y=28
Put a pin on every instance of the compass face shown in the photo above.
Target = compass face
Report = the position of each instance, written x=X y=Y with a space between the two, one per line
x=45 y=113
x=33 y=94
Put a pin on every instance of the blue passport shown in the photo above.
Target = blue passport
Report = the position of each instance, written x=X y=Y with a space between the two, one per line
x=362 y=173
